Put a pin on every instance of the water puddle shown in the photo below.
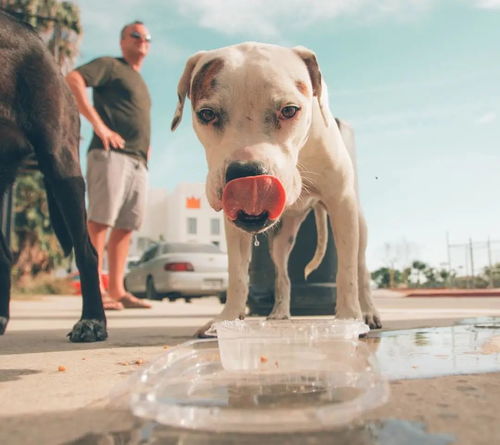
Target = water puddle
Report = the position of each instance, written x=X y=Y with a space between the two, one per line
x=387 y=432
x=472 y=347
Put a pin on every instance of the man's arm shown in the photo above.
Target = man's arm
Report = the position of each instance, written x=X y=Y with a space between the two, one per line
x=108 y=137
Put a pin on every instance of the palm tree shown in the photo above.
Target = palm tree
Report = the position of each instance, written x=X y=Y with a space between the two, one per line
x=419 y=266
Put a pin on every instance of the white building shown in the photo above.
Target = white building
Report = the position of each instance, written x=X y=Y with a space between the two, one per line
x=183 y=215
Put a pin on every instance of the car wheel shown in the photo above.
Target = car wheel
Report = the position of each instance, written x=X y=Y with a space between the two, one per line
x=151 y=293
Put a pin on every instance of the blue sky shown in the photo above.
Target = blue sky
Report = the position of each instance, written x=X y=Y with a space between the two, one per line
x=419 y=80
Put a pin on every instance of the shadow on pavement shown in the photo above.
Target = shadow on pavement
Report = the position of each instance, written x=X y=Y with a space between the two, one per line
x=55 y=340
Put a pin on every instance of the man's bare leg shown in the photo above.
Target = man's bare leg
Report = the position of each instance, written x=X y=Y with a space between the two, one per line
x=118 y=247
x=97 y=233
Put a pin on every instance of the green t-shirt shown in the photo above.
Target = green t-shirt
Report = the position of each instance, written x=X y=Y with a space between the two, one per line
x=122 y=100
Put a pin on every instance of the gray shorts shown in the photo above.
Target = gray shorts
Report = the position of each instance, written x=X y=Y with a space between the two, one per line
x=116 y=185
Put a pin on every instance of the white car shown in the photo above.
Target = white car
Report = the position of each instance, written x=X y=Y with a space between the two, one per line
x=131 y=262
x=179 y=270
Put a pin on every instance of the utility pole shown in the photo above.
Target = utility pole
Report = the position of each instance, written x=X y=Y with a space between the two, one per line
x=488 y=243
x=471 y=250
x=449 y=257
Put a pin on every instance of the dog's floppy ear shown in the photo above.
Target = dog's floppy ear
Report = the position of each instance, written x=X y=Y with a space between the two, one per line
x=183 y=88
x=319 y=91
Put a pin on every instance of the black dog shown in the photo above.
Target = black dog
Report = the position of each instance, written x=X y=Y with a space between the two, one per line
x=38 y=115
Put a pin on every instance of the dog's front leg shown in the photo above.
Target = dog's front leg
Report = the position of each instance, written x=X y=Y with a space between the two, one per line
x=239 y=245
x=370 y=313
x=343 y=210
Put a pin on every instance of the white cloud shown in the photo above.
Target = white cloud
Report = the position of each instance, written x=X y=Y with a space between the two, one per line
x=413 y=118
x=258 y=19
x=486 y=118
x=266 y=19
x=487 y=4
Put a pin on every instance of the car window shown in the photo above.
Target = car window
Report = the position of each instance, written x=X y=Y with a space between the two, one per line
x=132 y=263
x=149 y=254
x=189 y=247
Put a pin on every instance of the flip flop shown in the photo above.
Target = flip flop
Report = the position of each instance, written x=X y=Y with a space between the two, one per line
x=128 y=301
x=110 y=304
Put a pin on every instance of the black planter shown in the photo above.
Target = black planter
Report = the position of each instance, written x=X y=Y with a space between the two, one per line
x=316 y=296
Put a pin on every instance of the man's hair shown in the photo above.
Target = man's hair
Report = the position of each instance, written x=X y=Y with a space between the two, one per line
x=122 y=32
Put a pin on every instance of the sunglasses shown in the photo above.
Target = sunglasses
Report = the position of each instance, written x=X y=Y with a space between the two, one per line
x=138 y=35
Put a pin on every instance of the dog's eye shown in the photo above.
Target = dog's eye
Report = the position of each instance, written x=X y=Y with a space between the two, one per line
x=289 y=111
x=206 y=115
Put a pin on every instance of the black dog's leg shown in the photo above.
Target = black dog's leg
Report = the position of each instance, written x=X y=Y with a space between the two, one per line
x=57 y=154
x=66 y=199
x=13 y=148
x=5 y=263
x=55 y=140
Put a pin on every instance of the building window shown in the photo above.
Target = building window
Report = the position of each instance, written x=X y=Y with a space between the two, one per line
x=215 y=226
x=192 y=226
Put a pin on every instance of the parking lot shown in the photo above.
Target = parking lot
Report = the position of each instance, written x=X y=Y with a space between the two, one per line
x=60 y=392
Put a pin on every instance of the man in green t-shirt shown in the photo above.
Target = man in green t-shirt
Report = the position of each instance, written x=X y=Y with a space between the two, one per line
x=118 y=153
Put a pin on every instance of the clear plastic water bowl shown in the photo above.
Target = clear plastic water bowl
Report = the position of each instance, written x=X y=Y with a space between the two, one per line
x=277 y=345
x=263 y=377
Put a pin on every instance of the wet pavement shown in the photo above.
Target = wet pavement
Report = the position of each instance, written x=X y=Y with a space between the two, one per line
x=469 y=348
x=444 y=385
x=387 y=432
x=472 y=347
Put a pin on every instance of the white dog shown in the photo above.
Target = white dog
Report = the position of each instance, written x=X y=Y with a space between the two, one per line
x=274 y=151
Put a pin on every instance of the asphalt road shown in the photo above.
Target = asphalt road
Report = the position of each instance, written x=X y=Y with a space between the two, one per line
x=54 y=391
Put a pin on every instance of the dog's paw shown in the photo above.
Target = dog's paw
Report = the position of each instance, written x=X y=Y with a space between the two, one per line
x=86 y=331
x=372 y=319
x=3 y=324
x=206 y=330
x=278 y=315
x=281 y=309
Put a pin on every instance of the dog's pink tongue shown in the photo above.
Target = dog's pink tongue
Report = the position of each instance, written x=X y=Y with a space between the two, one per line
x=254 y=195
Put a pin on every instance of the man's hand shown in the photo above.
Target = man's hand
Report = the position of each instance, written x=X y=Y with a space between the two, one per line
x=109 y=138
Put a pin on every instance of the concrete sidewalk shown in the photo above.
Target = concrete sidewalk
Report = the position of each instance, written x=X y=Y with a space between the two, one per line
x=54 y=391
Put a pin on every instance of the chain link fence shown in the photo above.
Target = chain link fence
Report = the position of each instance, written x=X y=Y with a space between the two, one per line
x=474 y=263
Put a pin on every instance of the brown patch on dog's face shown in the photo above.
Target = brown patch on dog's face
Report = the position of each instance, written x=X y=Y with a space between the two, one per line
x=302 y=87
x=204 y=83
x=312 y=67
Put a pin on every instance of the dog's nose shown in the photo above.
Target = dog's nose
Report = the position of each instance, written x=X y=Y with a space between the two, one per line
x=240 y=169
